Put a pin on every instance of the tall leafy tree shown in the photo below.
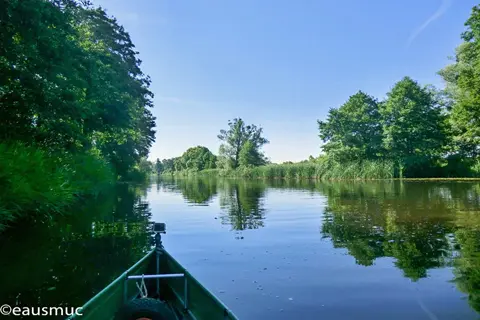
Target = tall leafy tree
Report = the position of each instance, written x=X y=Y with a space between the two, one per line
x=414 y=126
x=168 y=165
x=463 y=84
x=42 y=75
x=250 y=156
x=118 y=89
x=235 y=138
x=70 y=81
x=158 y=166
x=145 y=166
x=353 y=131
x=178 y=164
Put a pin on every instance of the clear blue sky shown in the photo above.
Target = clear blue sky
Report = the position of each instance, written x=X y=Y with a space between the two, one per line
x=279 y=64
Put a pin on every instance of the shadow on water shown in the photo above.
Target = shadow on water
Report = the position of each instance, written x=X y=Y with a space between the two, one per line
x=67 y=262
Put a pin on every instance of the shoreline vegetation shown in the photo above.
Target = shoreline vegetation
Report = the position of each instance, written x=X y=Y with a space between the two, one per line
x=417 y=131
x=74 y=108
x=354 y=172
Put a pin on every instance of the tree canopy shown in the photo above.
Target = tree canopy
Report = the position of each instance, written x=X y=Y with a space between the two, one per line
x=353 y=131
x=241 y=136
x=414 y=127
x=462 y=80
x=71 y=81
x=409 y=128
x=74 y=106
x=196 y=158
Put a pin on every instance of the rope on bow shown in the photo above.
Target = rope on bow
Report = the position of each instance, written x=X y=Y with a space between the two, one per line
x=142 y=288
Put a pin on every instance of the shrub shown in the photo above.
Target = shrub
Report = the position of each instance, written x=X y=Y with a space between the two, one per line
x=35 y=184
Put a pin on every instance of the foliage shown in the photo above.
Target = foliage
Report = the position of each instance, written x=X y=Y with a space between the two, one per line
x=409 y=128
x=74 y=105
x=158 y=166
x=353 y=132
x=235 y=139
x=34 y=185
x=197 y=158
x=463 y=86
x=323 y=170
x=194 y=159
x=250 y=156
x=168 y=165
x=70 y=81
x=145 y=166
x=414 y=128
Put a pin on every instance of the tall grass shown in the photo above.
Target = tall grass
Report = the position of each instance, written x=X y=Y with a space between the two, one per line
x=326 y=170
x=37 y=185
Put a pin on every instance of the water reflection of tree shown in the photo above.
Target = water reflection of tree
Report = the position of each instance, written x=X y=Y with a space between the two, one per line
x=467 y=264
x=242 y=203
x=197 y=190
x=408 y=222
x=67 y=262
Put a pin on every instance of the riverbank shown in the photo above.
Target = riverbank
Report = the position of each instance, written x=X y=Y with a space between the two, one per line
x=74 y=115
x=330 y=170
x=37 y=185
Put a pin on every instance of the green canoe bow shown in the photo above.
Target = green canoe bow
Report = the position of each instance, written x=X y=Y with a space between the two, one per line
x=181 y=292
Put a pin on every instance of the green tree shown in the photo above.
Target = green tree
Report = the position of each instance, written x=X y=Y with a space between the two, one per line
x=158 y=166
x=353 y=131
x=71 y=82
x=250 y=156
x=145 y=166
x=168 y=165
x=198 y=158
x=178 y=164
x=414 y=126
x=72 y=97
x=463 y=85
x=235 y=138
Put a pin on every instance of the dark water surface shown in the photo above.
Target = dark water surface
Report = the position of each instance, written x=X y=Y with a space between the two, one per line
x=270 y=250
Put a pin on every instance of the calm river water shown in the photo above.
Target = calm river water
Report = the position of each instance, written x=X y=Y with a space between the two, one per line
x=269 y=250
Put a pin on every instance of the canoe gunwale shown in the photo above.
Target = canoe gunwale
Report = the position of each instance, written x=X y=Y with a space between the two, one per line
x=181 y=298
x=122 y=278
x=189 y=277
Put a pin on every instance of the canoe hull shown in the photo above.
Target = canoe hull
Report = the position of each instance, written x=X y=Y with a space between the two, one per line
x=184 y=294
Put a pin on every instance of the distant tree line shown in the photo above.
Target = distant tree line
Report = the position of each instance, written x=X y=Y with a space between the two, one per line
x=241 y=147
x=195 y=158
